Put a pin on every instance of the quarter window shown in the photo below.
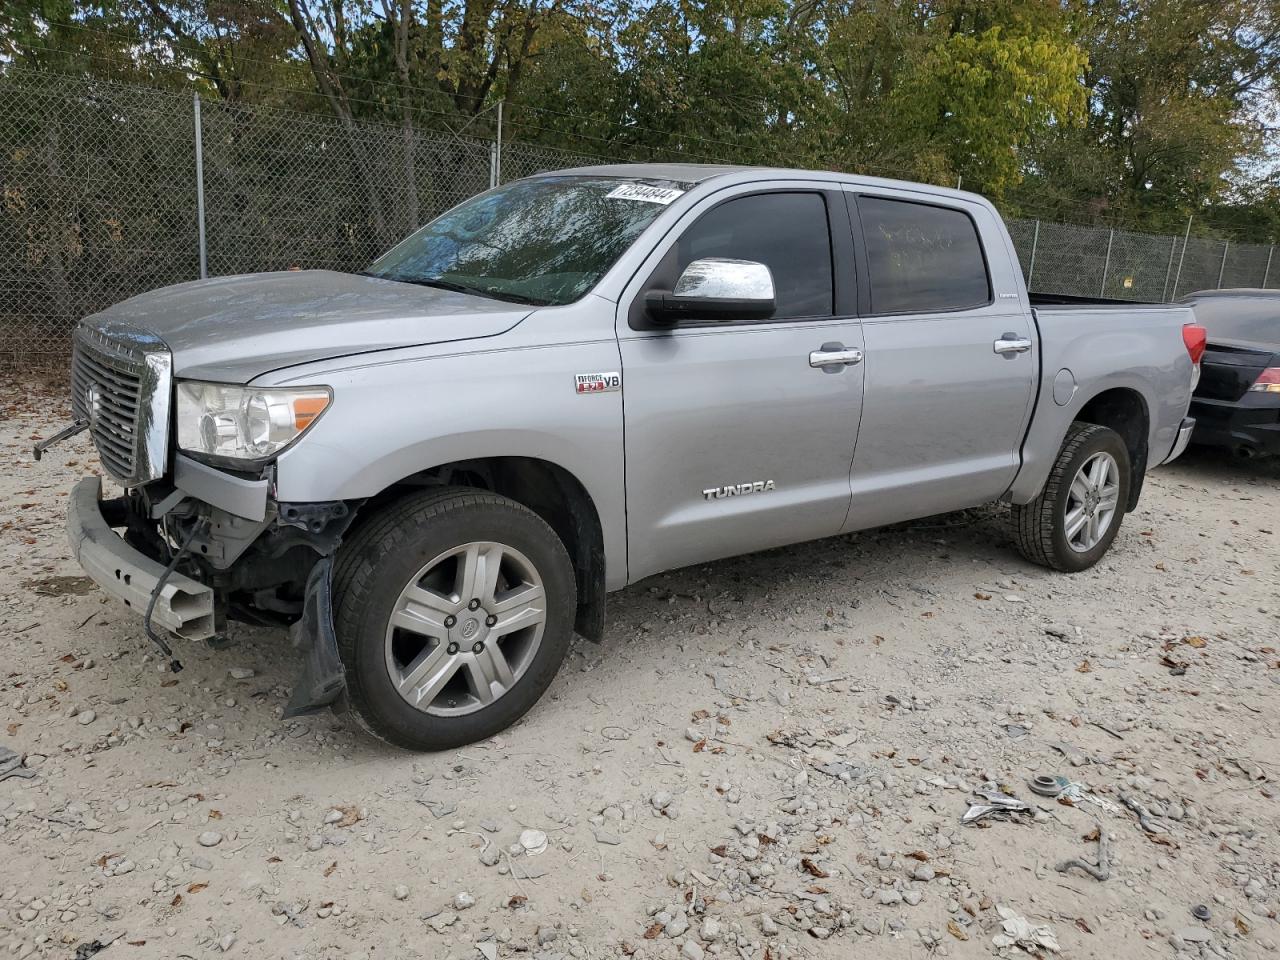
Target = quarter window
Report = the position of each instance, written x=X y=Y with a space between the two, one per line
x=922 y=258
x=787 y=232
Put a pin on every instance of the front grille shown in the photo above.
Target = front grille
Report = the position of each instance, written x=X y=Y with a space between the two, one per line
x=122 y=391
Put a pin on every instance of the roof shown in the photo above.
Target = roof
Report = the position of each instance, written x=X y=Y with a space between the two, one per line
x=677 y=172
x=690 y=174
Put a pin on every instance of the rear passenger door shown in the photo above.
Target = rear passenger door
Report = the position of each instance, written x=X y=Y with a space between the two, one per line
x=951 y=358
x=737 y=439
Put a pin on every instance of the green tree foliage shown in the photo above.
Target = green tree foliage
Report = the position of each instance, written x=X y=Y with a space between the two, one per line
x=1136 y=112
x=978 y=98
x=1179 y=93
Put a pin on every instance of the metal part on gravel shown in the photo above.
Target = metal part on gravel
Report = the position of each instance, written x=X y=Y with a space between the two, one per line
x=1145 y=820
x=997 y=802
x=1103 y=869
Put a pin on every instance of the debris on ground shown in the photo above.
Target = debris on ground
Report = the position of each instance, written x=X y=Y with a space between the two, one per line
x=996 y=803
x=1018 y=931
x=766 y=758
x=11 y=765
x=1145 y=819
x=533 y=842
x=1048 y=785
x=91 y=949
x=1100 y=870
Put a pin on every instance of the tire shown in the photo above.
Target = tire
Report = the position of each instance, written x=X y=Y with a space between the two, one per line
x=1041 y=527
x=392 y=566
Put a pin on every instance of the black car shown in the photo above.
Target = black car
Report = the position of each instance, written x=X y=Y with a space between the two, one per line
x=1237 y=402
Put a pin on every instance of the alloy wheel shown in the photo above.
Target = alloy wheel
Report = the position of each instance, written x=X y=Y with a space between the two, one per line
x=1092 y=502
x=465 y=628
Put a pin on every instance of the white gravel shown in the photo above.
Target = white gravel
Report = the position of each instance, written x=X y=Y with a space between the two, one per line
x=769 y=756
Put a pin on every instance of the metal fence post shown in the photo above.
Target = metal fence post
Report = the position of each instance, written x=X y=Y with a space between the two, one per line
x=204 y=253
x=1035 y=242
x=497 y=179
x=1226 y=245
x=493 y=165
x=1267 y=272
x=1106 y=266
x=1168 y=270
x=1182 y=256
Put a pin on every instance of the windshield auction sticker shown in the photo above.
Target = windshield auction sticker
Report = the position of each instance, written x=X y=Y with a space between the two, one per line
x=642 y=191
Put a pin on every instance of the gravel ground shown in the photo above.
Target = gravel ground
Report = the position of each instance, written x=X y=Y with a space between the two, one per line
x=769 y=757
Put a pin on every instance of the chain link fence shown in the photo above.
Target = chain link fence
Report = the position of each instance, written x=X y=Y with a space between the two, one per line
x=102 y=199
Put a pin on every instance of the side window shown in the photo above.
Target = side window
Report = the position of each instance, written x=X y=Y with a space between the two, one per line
x=788 y=232
x=922 y=258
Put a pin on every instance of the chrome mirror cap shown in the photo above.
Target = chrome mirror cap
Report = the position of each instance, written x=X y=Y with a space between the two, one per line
x=717 y=278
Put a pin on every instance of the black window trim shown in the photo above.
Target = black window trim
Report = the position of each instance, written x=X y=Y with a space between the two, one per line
x=846 y=285
x=864 y=266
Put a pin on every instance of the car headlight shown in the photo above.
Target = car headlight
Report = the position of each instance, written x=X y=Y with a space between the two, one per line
x=223 y=420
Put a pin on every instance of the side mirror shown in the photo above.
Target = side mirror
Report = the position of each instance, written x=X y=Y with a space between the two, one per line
x=716 y=289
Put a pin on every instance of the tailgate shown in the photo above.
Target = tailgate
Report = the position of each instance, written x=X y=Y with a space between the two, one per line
x=1227 y=371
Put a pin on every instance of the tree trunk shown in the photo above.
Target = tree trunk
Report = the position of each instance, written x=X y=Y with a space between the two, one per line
x=331 y=87
x=408 y=139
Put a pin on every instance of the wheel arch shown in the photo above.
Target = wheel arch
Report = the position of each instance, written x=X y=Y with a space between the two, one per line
x=1124 y=410
x=552 y=492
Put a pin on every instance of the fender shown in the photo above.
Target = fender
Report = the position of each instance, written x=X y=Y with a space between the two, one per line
x=391 y=420
x=1150 y=361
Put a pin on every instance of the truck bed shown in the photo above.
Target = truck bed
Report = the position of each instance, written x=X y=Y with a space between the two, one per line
x=1087 y=346
x=1063 y=300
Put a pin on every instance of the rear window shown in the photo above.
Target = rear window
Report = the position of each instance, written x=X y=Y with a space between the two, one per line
x=922 y=258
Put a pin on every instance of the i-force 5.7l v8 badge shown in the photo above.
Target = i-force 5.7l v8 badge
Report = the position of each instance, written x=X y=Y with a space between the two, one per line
x=597 y=382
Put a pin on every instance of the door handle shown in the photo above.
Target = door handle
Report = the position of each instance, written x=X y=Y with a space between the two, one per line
x=1011 y=343
x=834 y=355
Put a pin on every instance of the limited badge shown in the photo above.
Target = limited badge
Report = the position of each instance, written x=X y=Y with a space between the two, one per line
x=597 y=382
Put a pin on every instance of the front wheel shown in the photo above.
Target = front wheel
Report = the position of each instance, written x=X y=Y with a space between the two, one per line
x=453 y=610
x=1077 y=515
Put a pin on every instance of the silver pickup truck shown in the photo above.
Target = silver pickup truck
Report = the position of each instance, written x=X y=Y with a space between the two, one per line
x=435 y=470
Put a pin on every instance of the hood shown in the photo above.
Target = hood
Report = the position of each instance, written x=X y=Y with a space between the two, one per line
x=233 y=329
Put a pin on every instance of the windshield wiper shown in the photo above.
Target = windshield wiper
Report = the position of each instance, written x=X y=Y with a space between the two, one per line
x=442 y=284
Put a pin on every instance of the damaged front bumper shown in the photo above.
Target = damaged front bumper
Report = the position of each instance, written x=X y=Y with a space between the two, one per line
x=185 y=607
x=195 y=607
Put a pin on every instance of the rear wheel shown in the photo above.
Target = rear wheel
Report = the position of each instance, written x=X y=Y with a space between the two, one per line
x=1077 y=515
x=454 y=610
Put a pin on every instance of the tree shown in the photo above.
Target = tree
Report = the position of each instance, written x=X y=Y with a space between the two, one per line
x=1136 y=111
x=1176 y=90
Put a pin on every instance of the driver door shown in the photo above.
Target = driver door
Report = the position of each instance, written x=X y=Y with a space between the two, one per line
x=739 y=435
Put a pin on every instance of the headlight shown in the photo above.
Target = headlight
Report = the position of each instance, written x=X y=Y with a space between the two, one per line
x=244 y=423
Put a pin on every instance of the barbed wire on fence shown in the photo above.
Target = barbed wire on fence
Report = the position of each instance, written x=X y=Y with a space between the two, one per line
x=101 y=201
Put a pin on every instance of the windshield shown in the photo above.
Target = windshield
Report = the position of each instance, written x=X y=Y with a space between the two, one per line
x=546 y=241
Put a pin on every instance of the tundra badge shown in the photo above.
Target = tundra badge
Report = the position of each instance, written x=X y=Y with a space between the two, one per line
x=737 y=490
